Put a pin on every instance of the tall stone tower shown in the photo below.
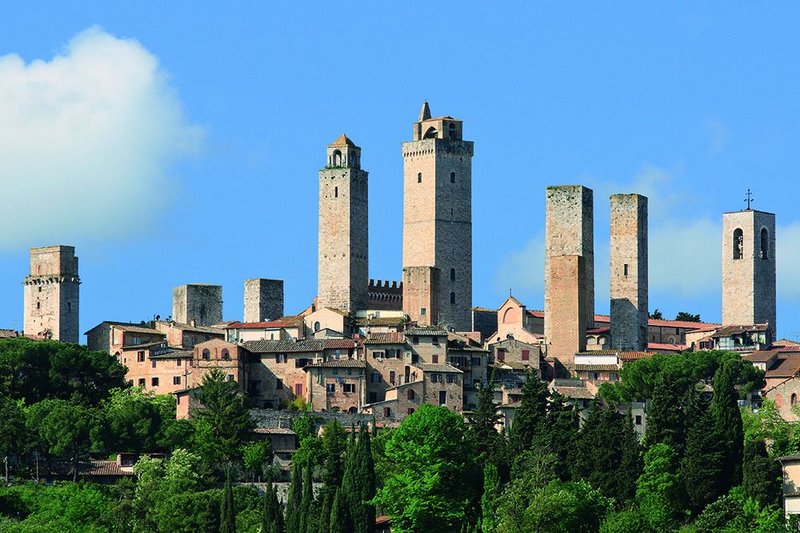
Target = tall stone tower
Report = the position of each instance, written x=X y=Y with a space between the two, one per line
x=569 y=232
x=263 y=299
x=437 y=211
x=421 y=294
x=197 y=303
x=748 y=269
x=343 y=264
x=52 y=294
x=628 y=272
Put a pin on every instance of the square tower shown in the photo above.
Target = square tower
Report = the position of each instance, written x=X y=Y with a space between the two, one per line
x=748 y=269
x=628 y=273
x=569 y=230
x=437 y=211
x=51 y=295
x=343 y=261
x=421 y=294
x=197 y=303
x=566 y=316
x=263 y=299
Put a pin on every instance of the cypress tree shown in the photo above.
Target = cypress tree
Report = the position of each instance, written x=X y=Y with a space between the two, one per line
x=631 y=461
x=294 y=500
x=704 y=460
x=359 y=485
x=728 y=421
x=666 y=419
x=306 y=502
x=560 y=434
x=337 y=523
x=530 y=415
x=280 y=523
x=491 y=492
x=271 y=512
x=228 y=513
x=761 y=476
x=483 y=424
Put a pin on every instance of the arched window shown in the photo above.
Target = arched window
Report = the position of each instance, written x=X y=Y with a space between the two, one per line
x=453 y=274
x=738 y=243
x=410 y=394
x=206 y=354
x=452 y=177
x=452 y=130
x=419 y=177
x=317 y=326
x=431 y=133
x=764 y=243
x=337 y=158
x=226 y=355
x=794 y=399
x=452 y=297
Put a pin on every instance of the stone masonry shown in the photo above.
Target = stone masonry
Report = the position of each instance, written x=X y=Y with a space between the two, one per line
x=748 y=269
x=569 y=231
x=343 y=261
x=437 y=211
x=628 y=275
x=421 y=294
x=566 y=302
x=263 y=299
x=197 y=303
x=51 y=294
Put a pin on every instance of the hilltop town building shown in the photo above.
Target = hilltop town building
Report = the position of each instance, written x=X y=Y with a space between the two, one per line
x=343 y=264
x=437 y=212
x=199 y=304
x=748 y=269
x=51 y=294
x=628 y=274
x=263 y=300
x=421 y=292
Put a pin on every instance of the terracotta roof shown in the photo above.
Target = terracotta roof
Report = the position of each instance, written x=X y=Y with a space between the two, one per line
x=339 y=363
x=130 y=347
x=484 y=309
x=423 y=331
x=665 y=346
x=386 y=321
x=339 y=344
x=8 y=333
x=438 y=367
x=634 y=356
x=785 y=342
x=595 y=331
x=393 y=337
x=343 y=140
x=283 y=346
x=613 y=368
x=274 y=431
x=579 y=393
x=761 y=356
x=738 y=330
x=174 y=354
x=129 y=326
x=785 y=367
x=511 y=365
x=653 y=322
x=199 y=329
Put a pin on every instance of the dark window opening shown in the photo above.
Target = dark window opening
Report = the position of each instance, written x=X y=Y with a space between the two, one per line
x=625 y=270
x=453 y=274
x=452 y=177
x=738 y=244
x=419 y=177
x=452 y=297
x=336 y=192
x=764 y=243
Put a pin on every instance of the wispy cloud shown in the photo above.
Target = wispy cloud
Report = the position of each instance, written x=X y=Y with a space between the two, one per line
x=718 y=136
x=87 y=141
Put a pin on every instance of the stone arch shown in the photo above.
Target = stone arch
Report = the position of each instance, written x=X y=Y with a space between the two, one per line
x=430 y=133
x=738 y=243
x=337 y=158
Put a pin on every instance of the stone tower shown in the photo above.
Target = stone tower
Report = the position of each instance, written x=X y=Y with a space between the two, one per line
x=628 y=273
x=52 y=294
x=343 y=263
x=437 y=211
x=748 y=269
x=263 y=299
x=197 y=303
x=569 y=232
x=421 y=294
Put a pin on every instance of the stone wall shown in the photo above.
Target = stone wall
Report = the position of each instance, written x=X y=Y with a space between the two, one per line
x=421 y=293
x=52 y=294
x=568 y=323
x=263 y=299
x=198 y=303
x=628 y=274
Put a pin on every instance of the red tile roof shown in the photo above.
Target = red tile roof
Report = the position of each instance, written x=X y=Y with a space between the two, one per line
x=653 y=322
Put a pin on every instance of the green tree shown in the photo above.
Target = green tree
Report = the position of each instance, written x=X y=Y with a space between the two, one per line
x=659 y=489
x=626 y=521
x=657 y=315
x=560 y=434
x=12 y=428
x=138 y=420
x=704 y=462
x=483 y=424
x=359 y=485
x=666 y=419
x=683 y=316
x=306 y=502
x=65 y=429
x=228 y=511
x=767 y=425
x=530 y=415
x=294 y=500
x=431 y=476
x=271 y=510
x=222 y=420
x=733 y=513
x=337 y=520
x=761 y=476
x=728 y=420
x=256 y=456
x=333 y=443
x=489 y=499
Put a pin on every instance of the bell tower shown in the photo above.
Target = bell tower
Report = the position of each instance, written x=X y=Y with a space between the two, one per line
x=437 y=211
x=343 y=264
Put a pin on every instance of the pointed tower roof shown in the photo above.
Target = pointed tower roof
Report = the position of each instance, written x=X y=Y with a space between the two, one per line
x=425 y=112
x=342 y=140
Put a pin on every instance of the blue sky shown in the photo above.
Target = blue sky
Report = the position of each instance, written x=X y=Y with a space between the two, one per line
x=193 y=137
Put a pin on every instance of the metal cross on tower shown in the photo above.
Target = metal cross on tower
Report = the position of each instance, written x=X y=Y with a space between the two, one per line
x=748 y=198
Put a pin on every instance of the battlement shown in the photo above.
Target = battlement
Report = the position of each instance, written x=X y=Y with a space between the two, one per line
x=385 y=295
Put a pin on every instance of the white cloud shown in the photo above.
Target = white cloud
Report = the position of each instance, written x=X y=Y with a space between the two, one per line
x=86 y=142
x=523 y=270
x=718 y=136
x=788 y=258
x=685 y=256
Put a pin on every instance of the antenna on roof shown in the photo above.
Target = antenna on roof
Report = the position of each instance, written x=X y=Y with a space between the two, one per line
x=748 y=198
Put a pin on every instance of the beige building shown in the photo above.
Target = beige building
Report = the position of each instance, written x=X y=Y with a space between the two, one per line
x=51 y=294
x=231 y=359
x=437 y=211
x=748 y=269
x=343 y=264
x=186 y=335
x=337 y=385
x=113 y=337
x=157 y=367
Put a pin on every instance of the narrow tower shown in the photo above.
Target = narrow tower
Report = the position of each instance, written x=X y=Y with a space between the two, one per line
x=748 y=269
x=568 y=283
x=263 y=299
x=198 y=303
x=628 y=273
x=343 y=264
x=52 y=294
x=437 y=211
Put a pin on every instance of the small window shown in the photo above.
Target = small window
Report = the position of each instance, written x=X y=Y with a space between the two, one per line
x=153 y=363
x=794 y=399
x=452 y=274
x=452 y=297
x=392 y=376
x=230 y=377
x=178 y=362
x=764 y=244
x=317 y=326
x=449 y=378
x=280 y=358
x=336 y=192
x=140 y=357
x=141 y=382
x=419 y=177
x=226 y=355
x=625 y=270
x=38 y=305
x=206 y=354
x=154 y=382
x=298 y=389
x=410 y=394
x=176 y=380
x=476 y=361
x=375 y=377
x=414 y=340
x=638 y=420
x=435 y=341
x=738 y=243
x=330 y=388
x=442 y=397
x=349 y=387
x=278 y=384
x=410 y=410
x=69 y=307
x=387 y=412
x=526 y=355
x=423 y=311
x=452 y=177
